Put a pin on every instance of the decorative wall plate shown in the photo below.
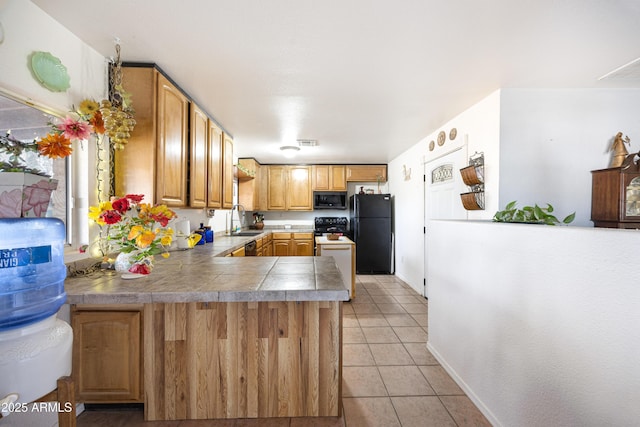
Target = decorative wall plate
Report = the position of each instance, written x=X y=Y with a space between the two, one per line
x=50 y=72
x=442 y=138
x=453 y=133
x=432 y=145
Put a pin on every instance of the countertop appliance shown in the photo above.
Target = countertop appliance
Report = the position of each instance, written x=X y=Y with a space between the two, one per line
x=371 y=216
x=329 y=224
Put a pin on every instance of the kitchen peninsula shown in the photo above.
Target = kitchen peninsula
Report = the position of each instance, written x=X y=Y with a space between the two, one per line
x=214 y=336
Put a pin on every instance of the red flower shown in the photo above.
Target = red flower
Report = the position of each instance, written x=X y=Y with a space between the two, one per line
x=111 y=217
x=140 y=268
x=161 y=218
x=121 y=205
x=135 y=198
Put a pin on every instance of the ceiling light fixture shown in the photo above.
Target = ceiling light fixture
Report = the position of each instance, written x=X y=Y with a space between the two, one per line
x=289 y=150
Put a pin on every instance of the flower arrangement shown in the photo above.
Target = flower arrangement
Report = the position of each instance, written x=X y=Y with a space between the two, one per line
x=135 y=228
x=90 y=118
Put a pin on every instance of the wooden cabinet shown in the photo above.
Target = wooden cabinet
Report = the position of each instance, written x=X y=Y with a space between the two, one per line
x=214 y=164
x=198 y=168
x=107 y=353
x=615 y=198
x=329 y=177
x=171 y=155
x=277 y=192
x=299 y=194
x=292 y=244
x=367 y=173
x=259 y=247
x=176 y=154
x=281 y=242
x=227 y=171
x=301 y=244
x=249 y=194
x=289 y=188
x=267 y=245
x=238 y=252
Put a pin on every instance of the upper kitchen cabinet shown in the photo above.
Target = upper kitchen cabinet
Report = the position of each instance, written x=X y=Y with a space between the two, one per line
x=177 y=155
x=289 y=188
x=249 y=184
x=214 y=164
x=367 y=173
x=173 y=148
x=329 y=177
x=198 y=168
x=154 y=162
x=227 y=171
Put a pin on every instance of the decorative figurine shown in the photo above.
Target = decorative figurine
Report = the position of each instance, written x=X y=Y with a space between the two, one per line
x=619 y=150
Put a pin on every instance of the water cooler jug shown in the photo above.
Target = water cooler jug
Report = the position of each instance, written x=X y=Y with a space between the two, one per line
x=35 y=346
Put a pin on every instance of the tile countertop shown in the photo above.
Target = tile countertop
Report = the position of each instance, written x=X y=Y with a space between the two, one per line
x=203 y=274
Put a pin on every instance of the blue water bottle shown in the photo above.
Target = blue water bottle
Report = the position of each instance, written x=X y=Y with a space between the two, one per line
x=32 y=270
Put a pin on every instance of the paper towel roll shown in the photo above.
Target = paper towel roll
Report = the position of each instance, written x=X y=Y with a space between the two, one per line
x=183 y=229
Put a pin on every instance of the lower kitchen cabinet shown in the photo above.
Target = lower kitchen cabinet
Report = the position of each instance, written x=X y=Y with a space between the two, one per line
x=292 y=244
x=302 y=244
x=107 y=353
x=238 y=252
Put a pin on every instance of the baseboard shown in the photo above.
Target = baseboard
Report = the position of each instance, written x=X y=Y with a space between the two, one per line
x=468 y=391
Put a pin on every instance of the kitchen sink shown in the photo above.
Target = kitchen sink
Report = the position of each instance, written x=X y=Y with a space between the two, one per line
x=247 y=233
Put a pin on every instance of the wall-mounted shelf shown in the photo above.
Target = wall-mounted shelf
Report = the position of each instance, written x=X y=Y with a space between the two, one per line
x=473 y=177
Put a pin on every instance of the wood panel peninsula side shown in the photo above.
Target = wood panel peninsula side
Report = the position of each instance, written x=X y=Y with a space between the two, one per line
x=220 y=337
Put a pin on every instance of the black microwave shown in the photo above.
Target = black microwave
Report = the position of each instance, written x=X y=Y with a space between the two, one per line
x=329 y=200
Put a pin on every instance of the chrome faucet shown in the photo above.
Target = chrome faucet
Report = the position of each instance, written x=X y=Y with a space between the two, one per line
x=237 y=207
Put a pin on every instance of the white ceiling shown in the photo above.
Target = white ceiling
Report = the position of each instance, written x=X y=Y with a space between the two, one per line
x=366 y=78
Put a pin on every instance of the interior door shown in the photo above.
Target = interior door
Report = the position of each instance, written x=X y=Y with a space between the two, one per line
x=442 y=189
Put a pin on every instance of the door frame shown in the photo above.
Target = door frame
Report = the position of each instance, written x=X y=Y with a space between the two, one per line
x=425 y=169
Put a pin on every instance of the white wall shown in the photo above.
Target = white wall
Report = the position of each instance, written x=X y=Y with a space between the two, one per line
x=479 y=128
x=552 y=139
x=542 y=334
x=26 y=30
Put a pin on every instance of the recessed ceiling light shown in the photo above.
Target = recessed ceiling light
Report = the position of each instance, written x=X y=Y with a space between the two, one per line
x=289 y=150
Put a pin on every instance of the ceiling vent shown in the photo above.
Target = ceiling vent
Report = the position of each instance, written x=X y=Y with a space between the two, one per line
x=629 y=71
x=307 y=142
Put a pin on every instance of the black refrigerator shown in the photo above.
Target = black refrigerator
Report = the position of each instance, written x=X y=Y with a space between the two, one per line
x=370 y=216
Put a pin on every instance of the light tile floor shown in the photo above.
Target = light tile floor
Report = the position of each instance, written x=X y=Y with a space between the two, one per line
x=389 y=376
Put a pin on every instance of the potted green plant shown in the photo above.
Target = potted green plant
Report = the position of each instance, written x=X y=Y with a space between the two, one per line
x=530 y=215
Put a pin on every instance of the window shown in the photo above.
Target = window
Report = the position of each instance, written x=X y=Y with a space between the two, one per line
x=27 y=123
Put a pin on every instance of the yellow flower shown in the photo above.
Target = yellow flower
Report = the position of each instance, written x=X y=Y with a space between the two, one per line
x=142 y=236
x=166 y=240
x=165 y=254
x=193 y=239
x=88 y=107
x=96 y=211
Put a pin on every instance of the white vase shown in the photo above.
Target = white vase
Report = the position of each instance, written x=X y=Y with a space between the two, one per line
x=124 y=261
